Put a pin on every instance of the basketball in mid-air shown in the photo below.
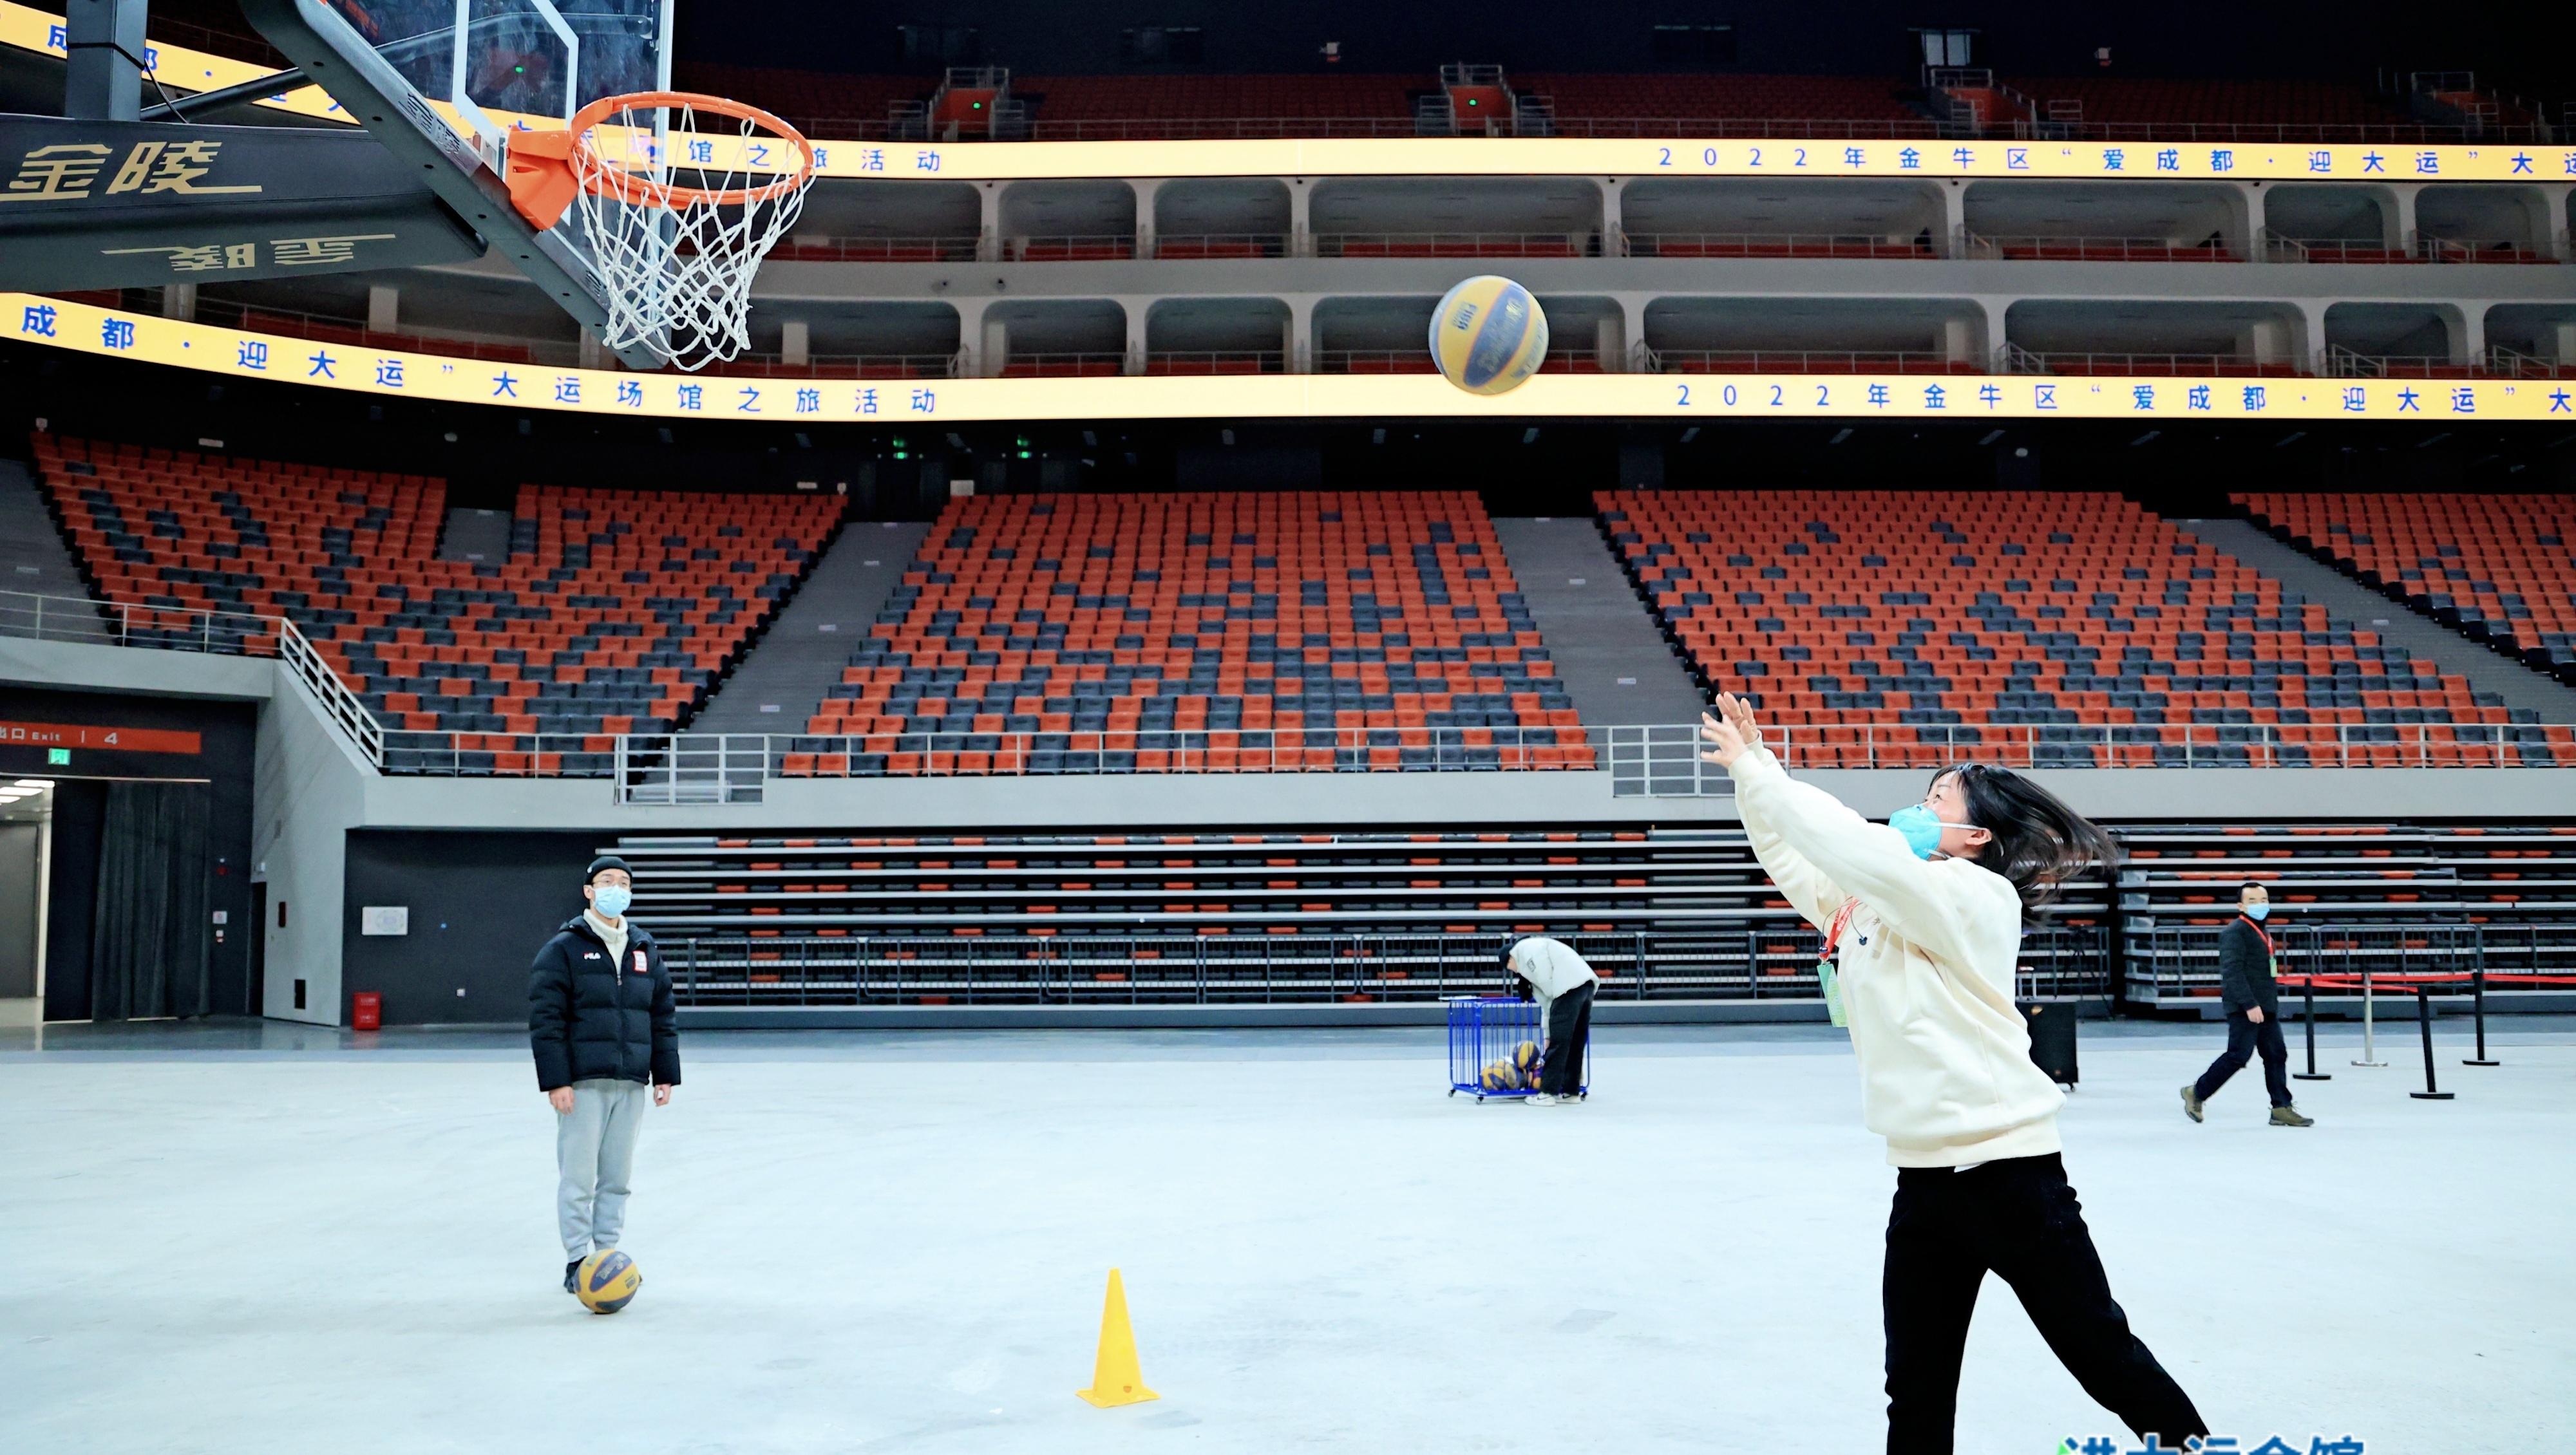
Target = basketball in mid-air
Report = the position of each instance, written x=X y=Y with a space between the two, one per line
x=607 y=1281
x=1488 y=335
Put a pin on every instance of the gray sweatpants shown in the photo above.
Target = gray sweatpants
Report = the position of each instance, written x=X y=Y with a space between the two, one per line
x=595 y=1154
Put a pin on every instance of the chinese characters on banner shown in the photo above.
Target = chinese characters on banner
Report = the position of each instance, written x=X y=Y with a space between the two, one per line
x=341 y=362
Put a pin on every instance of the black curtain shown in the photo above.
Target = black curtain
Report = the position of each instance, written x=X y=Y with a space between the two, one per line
x=149 y=939
x=80 y=810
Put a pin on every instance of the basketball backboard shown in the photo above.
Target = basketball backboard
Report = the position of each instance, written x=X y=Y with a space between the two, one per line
x=440 y=83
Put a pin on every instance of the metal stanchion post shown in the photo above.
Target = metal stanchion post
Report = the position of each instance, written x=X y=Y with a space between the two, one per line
x=2308 y=1017
x=2369 y=1045
x=2424 y=1020
x=2478 y=1008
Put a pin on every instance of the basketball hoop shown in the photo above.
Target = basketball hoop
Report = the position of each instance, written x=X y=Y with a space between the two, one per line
x=677 y=259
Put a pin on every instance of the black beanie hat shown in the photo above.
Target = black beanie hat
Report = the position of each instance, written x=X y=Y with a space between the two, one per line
x=606 y=861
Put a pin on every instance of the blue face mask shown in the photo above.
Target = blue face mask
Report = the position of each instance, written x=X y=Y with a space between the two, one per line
x=2258 y=911
x=611 y=900
x=1921 y=828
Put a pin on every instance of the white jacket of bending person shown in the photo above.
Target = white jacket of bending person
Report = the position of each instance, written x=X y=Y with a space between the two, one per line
x=1552 y=969
x=1927 y=968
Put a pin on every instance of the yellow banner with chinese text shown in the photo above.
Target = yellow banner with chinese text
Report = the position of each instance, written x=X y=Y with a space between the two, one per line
x=355 y=367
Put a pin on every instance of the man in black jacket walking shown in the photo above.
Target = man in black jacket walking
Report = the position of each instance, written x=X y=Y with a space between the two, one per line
x=604 y=1027
x=2245 y=961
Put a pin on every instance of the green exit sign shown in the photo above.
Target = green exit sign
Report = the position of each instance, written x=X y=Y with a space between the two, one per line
x=58 y=757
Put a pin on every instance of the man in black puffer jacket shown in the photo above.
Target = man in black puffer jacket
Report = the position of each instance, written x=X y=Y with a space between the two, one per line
x=604 y=1027
x=2253 y=1001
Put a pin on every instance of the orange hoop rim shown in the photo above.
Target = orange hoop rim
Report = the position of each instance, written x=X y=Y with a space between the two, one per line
x=614 y=182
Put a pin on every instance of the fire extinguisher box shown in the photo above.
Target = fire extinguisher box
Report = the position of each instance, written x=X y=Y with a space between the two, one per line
x=368 y=1011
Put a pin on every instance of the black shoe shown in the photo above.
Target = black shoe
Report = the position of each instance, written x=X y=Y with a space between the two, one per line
x=572 y=1276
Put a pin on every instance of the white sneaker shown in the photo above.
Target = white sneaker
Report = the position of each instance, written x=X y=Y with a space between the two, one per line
x=1545 y=1099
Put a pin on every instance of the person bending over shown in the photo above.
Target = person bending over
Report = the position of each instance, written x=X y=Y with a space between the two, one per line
x=1563 y=983
x=1937 y=900
x=2245 y=964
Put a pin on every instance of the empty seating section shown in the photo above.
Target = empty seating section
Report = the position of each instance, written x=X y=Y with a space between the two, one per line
x=1064 y=105
x=1121 y=915
x=2495 y=566
x=2062 y=629
x=1118 y=914
x=1151 y=98
x=1216 y=632
x=805 y=96
x=1816 y=98
x=192 y=533
x=613 y=612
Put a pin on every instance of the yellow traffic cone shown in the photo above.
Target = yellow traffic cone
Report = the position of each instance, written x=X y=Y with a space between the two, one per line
x=1115 y=1378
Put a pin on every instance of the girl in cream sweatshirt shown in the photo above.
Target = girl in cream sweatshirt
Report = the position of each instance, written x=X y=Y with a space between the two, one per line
x=1930 y=909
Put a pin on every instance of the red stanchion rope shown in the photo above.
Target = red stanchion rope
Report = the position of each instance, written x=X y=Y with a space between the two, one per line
x=2408 y=983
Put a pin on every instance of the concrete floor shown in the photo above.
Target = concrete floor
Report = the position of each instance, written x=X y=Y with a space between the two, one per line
x=280 y=1239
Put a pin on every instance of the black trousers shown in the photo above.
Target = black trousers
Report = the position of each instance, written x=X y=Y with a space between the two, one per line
x=2018 y=1218
x=1569 y=1035
x=2243 y=1039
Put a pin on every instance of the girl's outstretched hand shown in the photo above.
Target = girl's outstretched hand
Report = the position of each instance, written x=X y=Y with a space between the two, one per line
x=1731 y=733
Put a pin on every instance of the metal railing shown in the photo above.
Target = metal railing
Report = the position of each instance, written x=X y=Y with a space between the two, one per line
x=2279 y=249
x=2024 y=361
x=2044 y=248
x=1373 y=361
x=1216 y=361
x=2170 y=963
x=338 y=703
x=809 y=249
x=1651 y=760
x=736 y=767
x=1094 y=363
x=2251 y=132
x=845 y=366
x=2511 y=252
x=82 y=621
x=1774 y=960
x=1772 y=245
x=1457 y=244
x=2344 y=363
x=1646 y=360
x=2176 y=745
x=1222 y=245
x=2505 y=363
x=443 y=754
x=1097 y=247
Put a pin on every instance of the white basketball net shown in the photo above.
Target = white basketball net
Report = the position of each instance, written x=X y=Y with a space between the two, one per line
x=679 y=205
